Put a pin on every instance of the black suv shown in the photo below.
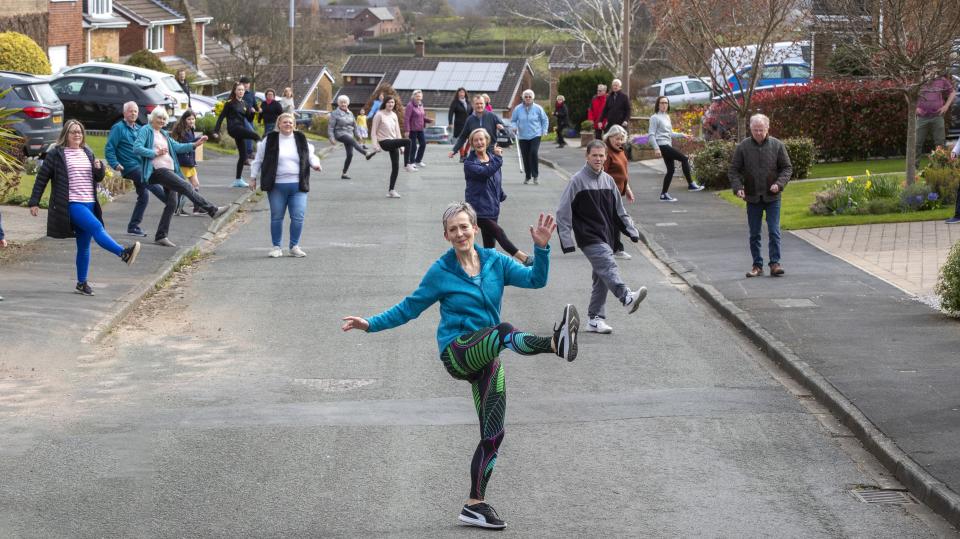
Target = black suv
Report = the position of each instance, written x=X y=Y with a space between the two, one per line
x=97 y=100
x=39 y=115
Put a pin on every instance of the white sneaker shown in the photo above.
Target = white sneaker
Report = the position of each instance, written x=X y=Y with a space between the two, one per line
x=275 y=252
x=622 y=255
x=297 y=252
x=421 y=164
x=410 y=168
x=393 y=194
x=633 y=299
x=599 y=325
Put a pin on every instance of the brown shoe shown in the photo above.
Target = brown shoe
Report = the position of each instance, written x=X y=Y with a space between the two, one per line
x=755 y=271
x=776 y=270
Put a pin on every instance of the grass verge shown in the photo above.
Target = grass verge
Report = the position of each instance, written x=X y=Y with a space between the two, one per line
x=857 y=168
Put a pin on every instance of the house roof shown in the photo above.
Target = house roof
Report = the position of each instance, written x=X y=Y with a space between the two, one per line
x=342 y=12
x=147 y=12
x=305 y=80
x=100 y=21
x=382 y=13
x=389 y=67
x=571 y=57
x=175 y=63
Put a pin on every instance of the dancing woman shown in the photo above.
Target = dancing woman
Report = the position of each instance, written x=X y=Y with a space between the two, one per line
x=237 y=113
x=468 y=282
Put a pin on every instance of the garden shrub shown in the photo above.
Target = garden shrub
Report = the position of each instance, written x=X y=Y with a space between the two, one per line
x=206 y=123
x=880 y=206
x=20 y=53
x=146 y=59
x=803 y=153
x=918 y=197
x=885 y=186
x=319 y=125
x=944 y=182
x=711 y=164
x=861 y=195
x=578 y=89
x=948 y=284
x=848 y=120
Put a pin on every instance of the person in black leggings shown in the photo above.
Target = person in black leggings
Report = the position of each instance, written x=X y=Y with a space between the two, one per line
x=484 y=191
x=468 y=282
x=385 y=134
x=237 y=113
x=661 y=135
x=342 y=127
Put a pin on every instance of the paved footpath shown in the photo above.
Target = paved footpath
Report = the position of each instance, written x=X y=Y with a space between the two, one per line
x=886 y=363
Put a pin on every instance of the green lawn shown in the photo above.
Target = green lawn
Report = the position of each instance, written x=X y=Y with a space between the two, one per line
x=795 y=210
x=857 y=168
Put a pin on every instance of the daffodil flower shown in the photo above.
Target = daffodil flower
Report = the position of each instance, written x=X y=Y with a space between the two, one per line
x=849 y=179
x=869 y=184
x=868 y=172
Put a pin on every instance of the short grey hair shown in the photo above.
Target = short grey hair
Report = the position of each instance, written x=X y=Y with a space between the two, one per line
x=615 y=131
x=596 y=144
x=343 y=99
x=159 y=112
x=601 y=86
x=459 y=207
x=129 y=105
x=762 y=118
x=416 y=92
x=527 y=92
x=616 y=81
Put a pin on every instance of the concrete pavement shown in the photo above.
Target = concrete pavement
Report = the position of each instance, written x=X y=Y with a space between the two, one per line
x=231 y=405
x=884 y=362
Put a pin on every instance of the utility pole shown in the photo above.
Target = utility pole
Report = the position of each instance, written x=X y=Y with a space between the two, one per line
x=625 y=77
x=291 y=23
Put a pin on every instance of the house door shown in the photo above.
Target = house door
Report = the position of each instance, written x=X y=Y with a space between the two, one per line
x=58 y=57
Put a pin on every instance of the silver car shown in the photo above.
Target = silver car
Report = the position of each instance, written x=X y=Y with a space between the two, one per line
x=681 y=90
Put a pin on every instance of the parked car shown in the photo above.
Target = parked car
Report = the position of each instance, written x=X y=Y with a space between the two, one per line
x=305 y=117
x=39 y=115
x=97 y=100
x=222 y=96
x=680 y=90
x=772 y=75
x=439 y=134
x=165 y=82
x=202 y=104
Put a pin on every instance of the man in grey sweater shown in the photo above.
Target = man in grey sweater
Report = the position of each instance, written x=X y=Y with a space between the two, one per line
x=589 y=216
x=758 y=174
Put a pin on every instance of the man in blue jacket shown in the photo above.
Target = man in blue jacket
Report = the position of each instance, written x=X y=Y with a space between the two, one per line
x=480 y=118
x=120 y=156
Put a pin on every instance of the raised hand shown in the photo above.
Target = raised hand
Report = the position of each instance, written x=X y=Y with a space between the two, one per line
x=354 y=322
x=542 y=232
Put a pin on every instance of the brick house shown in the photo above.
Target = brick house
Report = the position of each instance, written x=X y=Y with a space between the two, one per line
x=65 y=44
x=831 y=26
x=503 y=79
x=312 y=85
x=363 y=21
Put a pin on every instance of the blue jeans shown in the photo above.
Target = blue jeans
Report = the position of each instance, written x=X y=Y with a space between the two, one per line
x=86 y=226
x=418 y=143
x=143 y=196
x=755 y=211
x=282 y=197
x=268 y=128
x=249 y=142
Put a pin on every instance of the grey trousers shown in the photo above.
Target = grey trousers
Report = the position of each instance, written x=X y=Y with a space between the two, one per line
x=606 y=276
x=930 y=127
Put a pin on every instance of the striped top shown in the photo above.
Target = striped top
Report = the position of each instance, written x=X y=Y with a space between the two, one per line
x=80 y=174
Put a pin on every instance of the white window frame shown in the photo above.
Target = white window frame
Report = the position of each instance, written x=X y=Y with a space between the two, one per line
x=150 y=44
x=203 y=39
x=100 y=8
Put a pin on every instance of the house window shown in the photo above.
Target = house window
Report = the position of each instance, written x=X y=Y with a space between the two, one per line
x=100 y=8
x=203 y=39
x=155 y=38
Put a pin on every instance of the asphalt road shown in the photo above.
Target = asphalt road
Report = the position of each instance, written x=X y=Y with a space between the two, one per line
x=231 y=405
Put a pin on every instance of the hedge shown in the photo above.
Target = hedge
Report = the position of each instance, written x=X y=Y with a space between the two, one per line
x=20 y=53
x=848 y=120
x=712 y=163
x=578 y=89
x=146 y=59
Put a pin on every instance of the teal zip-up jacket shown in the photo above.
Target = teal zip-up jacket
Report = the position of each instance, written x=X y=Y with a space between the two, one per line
x=466 y=304
x=144 y=149
x=119 y=148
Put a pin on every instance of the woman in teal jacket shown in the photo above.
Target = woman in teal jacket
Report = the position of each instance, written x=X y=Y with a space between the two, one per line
x=468 y=282
x=159 y=165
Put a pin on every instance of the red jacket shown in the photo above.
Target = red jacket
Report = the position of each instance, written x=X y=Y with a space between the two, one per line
x=596 y=111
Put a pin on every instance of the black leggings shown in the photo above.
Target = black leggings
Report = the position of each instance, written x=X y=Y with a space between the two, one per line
x=475 y=357
x=349 y=144
x=241 y=135
x=393 y=146
x=530 y=151
x=492 y=233
x=670 y=154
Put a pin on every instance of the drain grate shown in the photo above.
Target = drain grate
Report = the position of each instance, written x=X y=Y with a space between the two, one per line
x=884 y=496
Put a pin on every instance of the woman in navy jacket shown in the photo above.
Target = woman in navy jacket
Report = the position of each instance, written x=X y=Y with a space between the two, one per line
x=484 y=192
x=237 y=112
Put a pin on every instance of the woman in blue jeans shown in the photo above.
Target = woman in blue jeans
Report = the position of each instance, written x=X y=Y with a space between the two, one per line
x=283 y=162
x=73 y=210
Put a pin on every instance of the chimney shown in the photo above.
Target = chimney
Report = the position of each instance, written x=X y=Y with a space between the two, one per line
x=419 y=47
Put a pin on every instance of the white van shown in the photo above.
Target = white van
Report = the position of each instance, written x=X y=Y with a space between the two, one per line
x=165 y=82
x=729 y=60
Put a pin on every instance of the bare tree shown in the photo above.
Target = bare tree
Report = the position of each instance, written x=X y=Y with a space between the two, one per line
x=909 y=42
x=720 y=38
x=469 y=28
x=596 y=24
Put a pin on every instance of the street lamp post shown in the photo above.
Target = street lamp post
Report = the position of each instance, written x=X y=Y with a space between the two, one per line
x=291 y=24
x=626 y=49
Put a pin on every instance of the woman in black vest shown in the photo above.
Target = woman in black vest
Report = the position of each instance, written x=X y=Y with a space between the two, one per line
x=283 y=164
x=457 y=116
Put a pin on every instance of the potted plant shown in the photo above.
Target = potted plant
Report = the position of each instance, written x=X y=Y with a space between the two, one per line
x=640 y=149
x=586 y=132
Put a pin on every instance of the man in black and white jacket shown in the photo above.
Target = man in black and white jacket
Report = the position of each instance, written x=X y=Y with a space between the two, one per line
x=589 y=216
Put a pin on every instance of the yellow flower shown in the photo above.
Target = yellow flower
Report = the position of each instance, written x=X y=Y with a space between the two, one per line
x=849 y=179
x=838 y=182
x=868 y=172
x=868 y=184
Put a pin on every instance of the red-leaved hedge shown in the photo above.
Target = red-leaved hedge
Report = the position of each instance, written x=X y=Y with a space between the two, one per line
x=847 y=120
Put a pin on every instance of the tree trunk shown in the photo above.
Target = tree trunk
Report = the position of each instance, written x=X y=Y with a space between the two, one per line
x=911 y=139
x=741 y=126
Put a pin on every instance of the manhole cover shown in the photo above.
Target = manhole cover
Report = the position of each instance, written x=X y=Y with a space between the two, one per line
x=879 y=495
x=792 y=303
x=335 y=385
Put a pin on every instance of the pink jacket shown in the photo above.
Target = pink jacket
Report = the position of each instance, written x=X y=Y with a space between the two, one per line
x=413 y=117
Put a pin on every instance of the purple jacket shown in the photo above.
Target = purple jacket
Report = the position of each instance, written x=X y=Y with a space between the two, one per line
x=413 y=117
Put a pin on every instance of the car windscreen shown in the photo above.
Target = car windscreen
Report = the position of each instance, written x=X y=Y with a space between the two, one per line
x=171 y=84
x=45 y=94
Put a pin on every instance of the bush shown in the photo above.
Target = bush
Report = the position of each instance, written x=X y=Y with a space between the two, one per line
x=886 y=186
x=849 y=61
x=20 y=53
x=948 y=285
x=803 y=153
x=880 y=206
x=146 y=59
x=578 y=89
x=919 y=197
x=206 y=123
x=860 y=195
x=712 y=163
x=319 y=125
x=944 y=182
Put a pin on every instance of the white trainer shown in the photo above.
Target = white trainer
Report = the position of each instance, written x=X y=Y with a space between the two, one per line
x=393 y=194
x=599 y=325
x=633 y=299
x=275 y=252
x=297 y=252
x=410 y=168
x=622 y=255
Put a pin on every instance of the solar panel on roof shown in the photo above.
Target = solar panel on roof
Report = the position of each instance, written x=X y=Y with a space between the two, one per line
x=448 y=76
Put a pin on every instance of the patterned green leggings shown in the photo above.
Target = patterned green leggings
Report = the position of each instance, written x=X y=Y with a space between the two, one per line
x=475 y=357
